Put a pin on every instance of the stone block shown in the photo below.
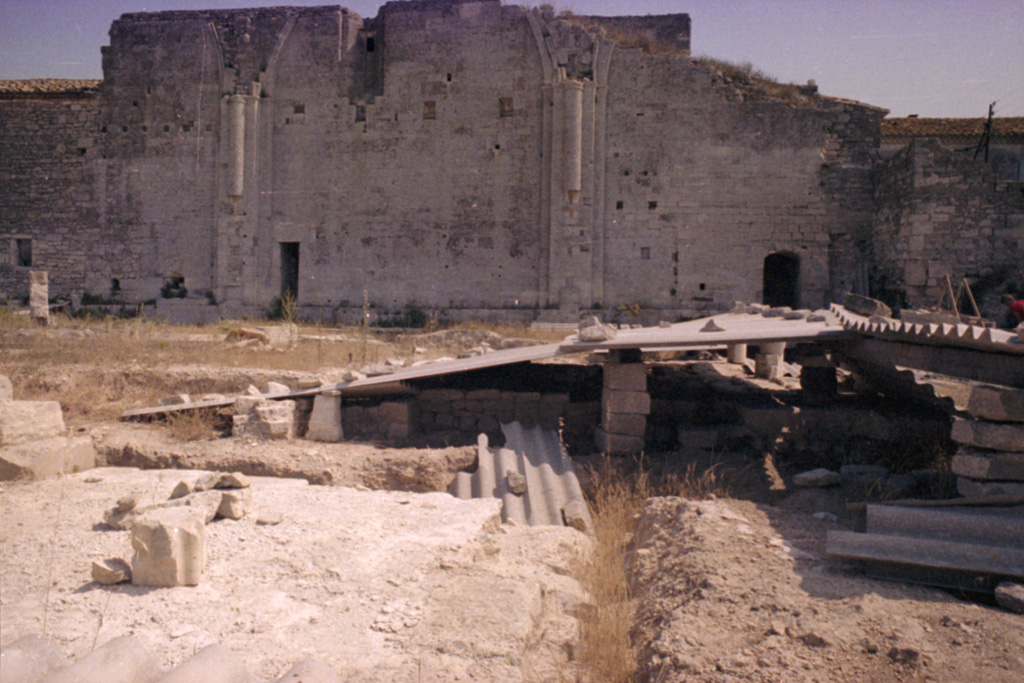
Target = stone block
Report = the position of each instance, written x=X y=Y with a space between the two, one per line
x=6 y=389
x=31 y=658
x=593 y=330
x=309 y=671
x=393 y=412
x=820 y=477
x=325 y=420
x=111 y=571
x=862 y=305
x=1000 y=404
x=169 y=545
x=768 y=366
x=1010 y=596
x=488 y=425
x=275 y=388
x=47 y=458
x=121 y=660
x=625 y=377
x=442 y=395
x=24 y=421
x=622 y=423
x=213 y=663
x=39 y=296
x=247 y=404
x=277 y=429
x=989 y=465
x=972 y=489
x=632 y=402
x=618 y=444
x=483 y=395
x=993 y=435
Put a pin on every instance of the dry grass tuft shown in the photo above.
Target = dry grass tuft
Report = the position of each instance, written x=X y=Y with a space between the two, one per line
x=616 y=491
x=195 y=425
x=757 y=82
x=607 y=653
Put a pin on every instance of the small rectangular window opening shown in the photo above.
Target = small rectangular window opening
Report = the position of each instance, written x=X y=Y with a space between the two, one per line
x=300 y=109
x=702 y=286
x=449 y=78
x=645 y=253
x=429 y=110
x=24 y=254
x=619 y=206
x=652 y=205
x=371 y=43
x=360 y=112
x=505 y=107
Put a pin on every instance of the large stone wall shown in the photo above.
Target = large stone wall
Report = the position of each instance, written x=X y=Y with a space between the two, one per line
x=942 y=213
x=47 y=202
x=460 y=155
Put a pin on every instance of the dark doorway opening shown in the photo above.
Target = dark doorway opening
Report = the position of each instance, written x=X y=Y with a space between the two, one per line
x=290 y=269
x=782 y=280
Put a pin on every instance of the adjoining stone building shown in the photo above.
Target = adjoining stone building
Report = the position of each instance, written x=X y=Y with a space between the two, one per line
x=465 y=156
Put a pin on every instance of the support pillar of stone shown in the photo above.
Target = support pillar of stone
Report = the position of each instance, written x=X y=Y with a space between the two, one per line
x=737 y=353
x=625 y=405
x=325 y=421
x=39 y=296
x=768 y=364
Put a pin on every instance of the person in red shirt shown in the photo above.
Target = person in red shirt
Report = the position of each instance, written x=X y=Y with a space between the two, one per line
x=1016 y=306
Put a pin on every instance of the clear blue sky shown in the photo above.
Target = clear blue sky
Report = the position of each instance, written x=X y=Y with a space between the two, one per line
x=926 y=57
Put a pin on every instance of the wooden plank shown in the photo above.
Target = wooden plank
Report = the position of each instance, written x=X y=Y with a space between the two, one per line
x=923 y=552
x=959 y=525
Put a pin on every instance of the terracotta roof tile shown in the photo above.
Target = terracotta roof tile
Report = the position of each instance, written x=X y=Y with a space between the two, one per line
x=1009 y=127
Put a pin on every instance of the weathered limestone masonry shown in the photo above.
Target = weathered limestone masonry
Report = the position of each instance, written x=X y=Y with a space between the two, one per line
x=940 y=212
x=455 y=154
x=49 y=217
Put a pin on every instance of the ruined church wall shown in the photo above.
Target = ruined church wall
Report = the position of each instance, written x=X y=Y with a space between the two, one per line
x=159 y=130
x=47 y=147
x=424 y=191
x=941 y=213
x=703 y=186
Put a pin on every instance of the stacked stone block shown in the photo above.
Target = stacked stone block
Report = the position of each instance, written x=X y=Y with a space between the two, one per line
x=625 y=405
x=990 y=461
x=391 y=420
x=261 y=418
x=484 y=410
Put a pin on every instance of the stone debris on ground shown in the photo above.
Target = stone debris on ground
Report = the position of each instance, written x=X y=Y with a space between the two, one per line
x=170 y=547
x=379 y=586
x=1010 y=596
x=34 y=441
x=819 y=477
x=111 y=571
x=591 y=329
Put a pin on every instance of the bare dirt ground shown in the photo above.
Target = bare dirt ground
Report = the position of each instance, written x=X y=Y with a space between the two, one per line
x=387 y=579
x=729 y=590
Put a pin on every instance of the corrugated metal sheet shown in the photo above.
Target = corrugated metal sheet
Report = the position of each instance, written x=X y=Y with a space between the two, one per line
x=538 y=456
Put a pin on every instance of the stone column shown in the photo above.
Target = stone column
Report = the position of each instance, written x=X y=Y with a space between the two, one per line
x=236 y=158
x=39 y=296
x=573 y=131
x=625 y=405
x=737 y=353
